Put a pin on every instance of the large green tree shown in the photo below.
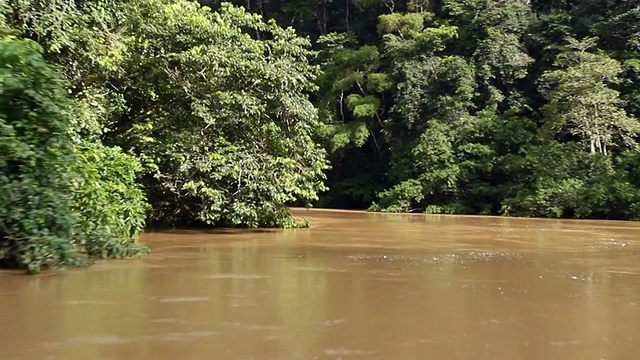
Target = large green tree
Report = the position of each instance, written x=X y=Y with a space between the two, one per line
x=583 y=102
x=222 y=119
x=215 y=104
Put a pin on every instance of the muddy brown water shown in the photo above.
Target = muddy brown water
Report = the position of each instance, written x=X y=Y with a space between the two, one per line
x=354 y=286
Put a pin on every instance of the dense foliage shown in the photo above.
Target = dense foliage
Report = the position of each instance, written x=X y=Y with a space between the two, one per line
x=65 y=199
x=208 y=112
x=525 y=108
x=215 y=114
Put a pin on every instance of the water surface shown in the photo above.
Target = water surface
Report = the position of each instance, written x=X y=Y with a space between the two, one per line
x=354 y=286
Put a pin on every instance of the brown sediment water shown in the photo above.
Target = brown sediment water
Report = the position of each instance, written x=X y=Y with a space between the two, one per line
x=353 y=286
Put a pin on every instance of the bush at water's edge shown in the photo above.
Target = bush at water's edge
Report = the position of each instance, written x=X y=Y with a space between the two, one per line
x=65 y=199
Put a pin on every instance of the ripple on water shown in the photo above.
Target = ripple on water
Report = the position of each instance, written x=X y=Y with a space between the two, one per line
x=456 y=258
x=565 y=342
x=329 y=323
x=259 y=327
x=320 y=269
x=348 y=352
x=169 y=321
x=105 y=339
x=237 y=276
x=610 y=243
x=180 y=336
x=181 y=299
x=92 y=302
x=93 y=340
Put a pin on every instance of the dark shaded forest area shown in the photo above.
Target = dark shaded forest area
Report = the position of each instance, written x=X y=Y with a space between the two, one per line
x=119 y=113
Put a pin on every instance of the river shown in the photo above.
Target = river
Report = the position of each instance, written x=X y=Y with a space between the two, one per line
x=353 y=286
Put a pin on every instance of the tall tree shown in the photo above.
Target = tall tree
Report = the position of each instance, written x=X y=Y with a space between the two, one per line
x=215 y=104
x=583 y=102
